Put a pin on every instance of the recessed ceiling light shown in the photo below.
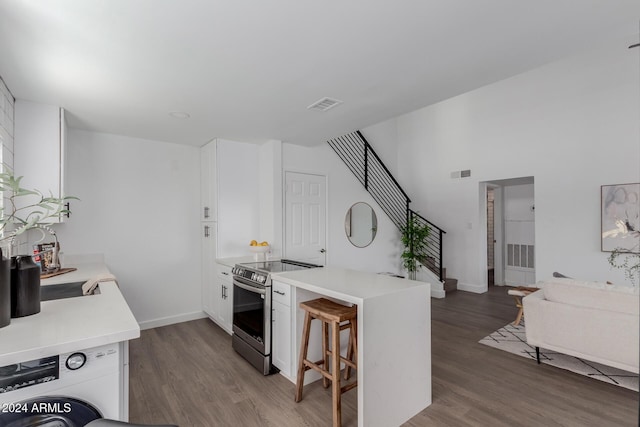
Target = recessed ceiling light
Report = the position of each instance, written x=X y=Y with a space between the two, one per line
x=324 y=104
x=179 y=115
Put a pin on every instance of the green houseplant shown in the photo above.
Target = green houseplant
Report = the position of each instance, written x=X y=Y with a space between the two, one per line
x=414 y=239
x=32 y=211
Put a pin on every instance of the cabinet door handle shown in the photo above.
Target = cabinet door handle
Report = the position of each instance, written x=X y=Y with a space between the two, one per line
x=206 y=211
x=225 y=273
x=206 y=231
x=67 y=208
x=279 y=292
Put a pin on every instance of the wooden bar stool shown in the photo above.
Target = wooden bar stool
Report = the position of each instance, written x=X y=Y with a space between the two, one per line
x=334 y=315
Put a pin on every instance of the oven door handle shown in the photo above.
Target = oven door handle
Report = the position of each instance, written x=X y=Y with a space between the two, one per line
x=249 y=288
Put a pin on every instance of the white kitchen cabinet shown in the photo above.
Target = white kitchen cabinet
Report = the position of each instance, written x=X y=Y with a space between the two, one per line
x=238 y=198
x=208 y=267
x=208 y=183
x=223 y=297
x=281 y=340
x=40 y=148
x=217 y=289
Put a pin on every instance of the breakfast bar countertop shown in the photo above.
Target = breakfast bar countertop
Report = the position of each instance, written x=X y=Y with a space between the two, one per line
x=394 y=337
x=71 y=324
x=348 y=285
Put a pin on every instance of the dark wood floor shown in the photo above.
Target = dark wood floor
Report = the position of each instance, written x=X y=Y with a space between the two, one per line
x=188 y=374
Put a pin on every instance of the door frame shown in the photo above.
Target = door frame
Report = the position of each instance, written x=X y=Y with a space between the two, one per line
x=499 y=227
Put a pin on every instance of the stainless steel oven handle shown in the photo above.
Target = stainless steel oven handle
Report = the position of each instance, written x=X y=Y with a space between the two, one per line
x=249 y=287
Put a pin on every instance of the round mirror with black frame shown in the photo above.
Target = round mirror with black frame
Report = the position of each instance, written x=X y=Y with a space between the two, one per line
x=361 y=224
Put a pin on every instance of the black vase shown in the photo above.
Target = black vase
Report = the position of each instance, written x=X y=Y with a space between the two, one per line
x=25 y=286
x=5 y=290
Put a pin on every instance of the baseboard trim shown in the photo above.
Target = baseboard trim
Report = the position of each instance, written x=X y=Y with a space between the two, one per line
x=468 y=287
x=170 y=320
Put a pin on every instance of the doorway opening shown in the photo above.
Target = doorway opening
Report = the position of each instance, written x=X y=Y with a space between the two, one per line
x=510 y=231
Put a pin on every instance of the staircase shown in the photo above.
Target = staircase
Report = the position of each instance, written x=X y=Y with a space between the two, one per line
x=362 y=160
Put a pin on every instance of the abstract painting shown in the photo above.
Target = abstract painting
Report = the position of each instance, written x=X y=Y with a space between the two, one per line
x=620 y=217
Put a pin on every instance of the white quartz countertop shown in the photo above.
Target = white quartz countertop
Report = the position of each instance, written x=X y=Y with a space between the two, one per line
x=70 y=324
x=344 y=284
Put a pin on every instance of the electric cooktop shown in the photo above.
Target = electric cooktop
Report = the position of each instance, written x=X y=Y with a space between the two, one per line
x=279 y=266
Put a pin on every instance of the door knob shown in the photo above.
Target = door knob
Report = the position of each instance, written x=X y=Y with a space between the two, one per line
x=322 y=251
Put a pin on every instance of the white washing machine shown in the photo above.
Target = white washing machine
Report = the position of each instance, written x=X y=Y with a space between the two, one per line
x=66 y=390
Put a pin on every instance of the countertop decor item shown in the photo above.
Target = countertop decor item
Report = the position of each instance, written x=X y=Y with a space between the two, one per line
x=5 y=290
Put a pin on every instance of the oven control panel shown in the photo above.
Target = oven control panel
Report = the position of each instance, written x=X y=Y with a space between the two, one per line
x=246 y=273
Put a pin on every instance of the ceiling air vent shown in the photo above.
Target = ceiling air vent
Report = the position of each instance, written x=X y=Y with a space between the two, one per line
x=324 y=104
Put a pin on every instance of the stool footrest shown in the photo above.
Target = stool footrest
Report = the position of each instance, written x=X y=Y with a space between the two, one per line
x=310 y=365
x=342 y=359
x=348 y=387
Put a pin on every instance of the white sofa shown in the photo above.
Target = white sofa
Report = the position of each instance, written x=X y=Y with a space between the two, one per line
x=590 y=320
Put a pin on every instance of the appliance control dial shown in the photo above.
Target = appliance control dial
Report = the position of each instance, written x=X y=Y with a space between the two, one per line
x=76 y=361
x=262 y=279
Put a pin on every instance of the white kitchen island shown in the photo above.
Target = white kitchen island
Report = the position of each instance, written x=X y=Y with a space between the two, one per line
x=394 y=337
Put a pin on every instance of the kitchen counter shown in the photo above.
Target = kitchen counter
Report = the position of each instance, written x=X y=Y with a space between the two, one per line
x=70 y=324
x=347 y=285
x=394 y=337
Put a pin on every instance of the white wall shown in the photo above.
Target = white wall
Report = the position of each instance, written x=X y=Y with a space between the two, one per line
x=572 y=125
x=343 y=190
x=139 y=207
x=383 y=138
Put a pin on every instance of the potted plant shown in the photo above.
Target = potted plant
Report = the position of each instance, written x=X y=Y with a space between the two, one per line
x=414 y=238
x=15 y=219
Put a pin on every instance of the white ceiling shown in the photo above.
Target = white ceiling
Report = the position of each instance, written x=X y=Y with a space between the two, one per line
x=247 y=70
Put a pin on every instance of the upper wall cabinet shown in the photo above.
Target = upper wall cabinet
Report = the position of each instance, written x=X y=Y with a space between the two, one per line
x=208 y=201
x=40 y=144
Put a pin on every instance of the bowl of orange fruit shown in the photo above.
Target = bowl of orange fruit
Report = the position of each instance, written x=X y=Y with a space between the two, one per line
x=259 y=248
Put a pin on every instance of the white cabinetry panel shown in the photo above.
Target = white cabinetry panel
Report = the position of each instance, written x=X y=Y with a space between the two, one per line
x=282 y=351
x=208 y=267
x=208 y=202
x=238 y=198
x=39 y=148
x=222 y=298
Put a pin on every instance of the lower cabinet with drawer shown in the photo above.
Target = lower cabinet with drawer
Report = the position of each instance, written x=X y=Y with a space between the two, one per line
x=281 y=342
x=222 y=298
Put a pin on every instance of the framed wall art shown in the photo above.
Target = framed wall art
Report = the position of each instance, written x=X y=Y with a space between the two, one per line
x=620 y=210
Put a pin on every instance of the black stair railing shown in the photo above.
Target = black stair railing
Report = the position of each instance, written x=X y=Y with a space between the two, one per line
x=356 y=152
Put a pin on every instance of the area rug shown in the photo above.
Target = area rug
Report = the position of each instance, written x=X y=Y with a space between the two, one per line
x=513 y=340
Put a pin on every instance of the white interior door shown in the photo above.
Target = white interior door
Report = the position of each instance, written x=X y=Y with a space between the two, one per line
x=305 y=217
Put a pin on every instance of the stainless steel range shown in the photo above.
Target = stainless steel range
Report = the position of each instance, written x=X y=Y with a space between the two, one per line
x=252 y=309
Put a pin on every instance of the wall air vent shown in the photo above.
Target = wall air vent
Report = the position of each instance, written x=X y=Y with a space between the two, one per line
x=324 y=104
x=461 y=174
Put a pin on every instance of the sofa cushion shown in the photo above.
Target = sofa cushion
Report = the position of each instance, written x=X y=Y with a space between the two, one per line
x=598 y=295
